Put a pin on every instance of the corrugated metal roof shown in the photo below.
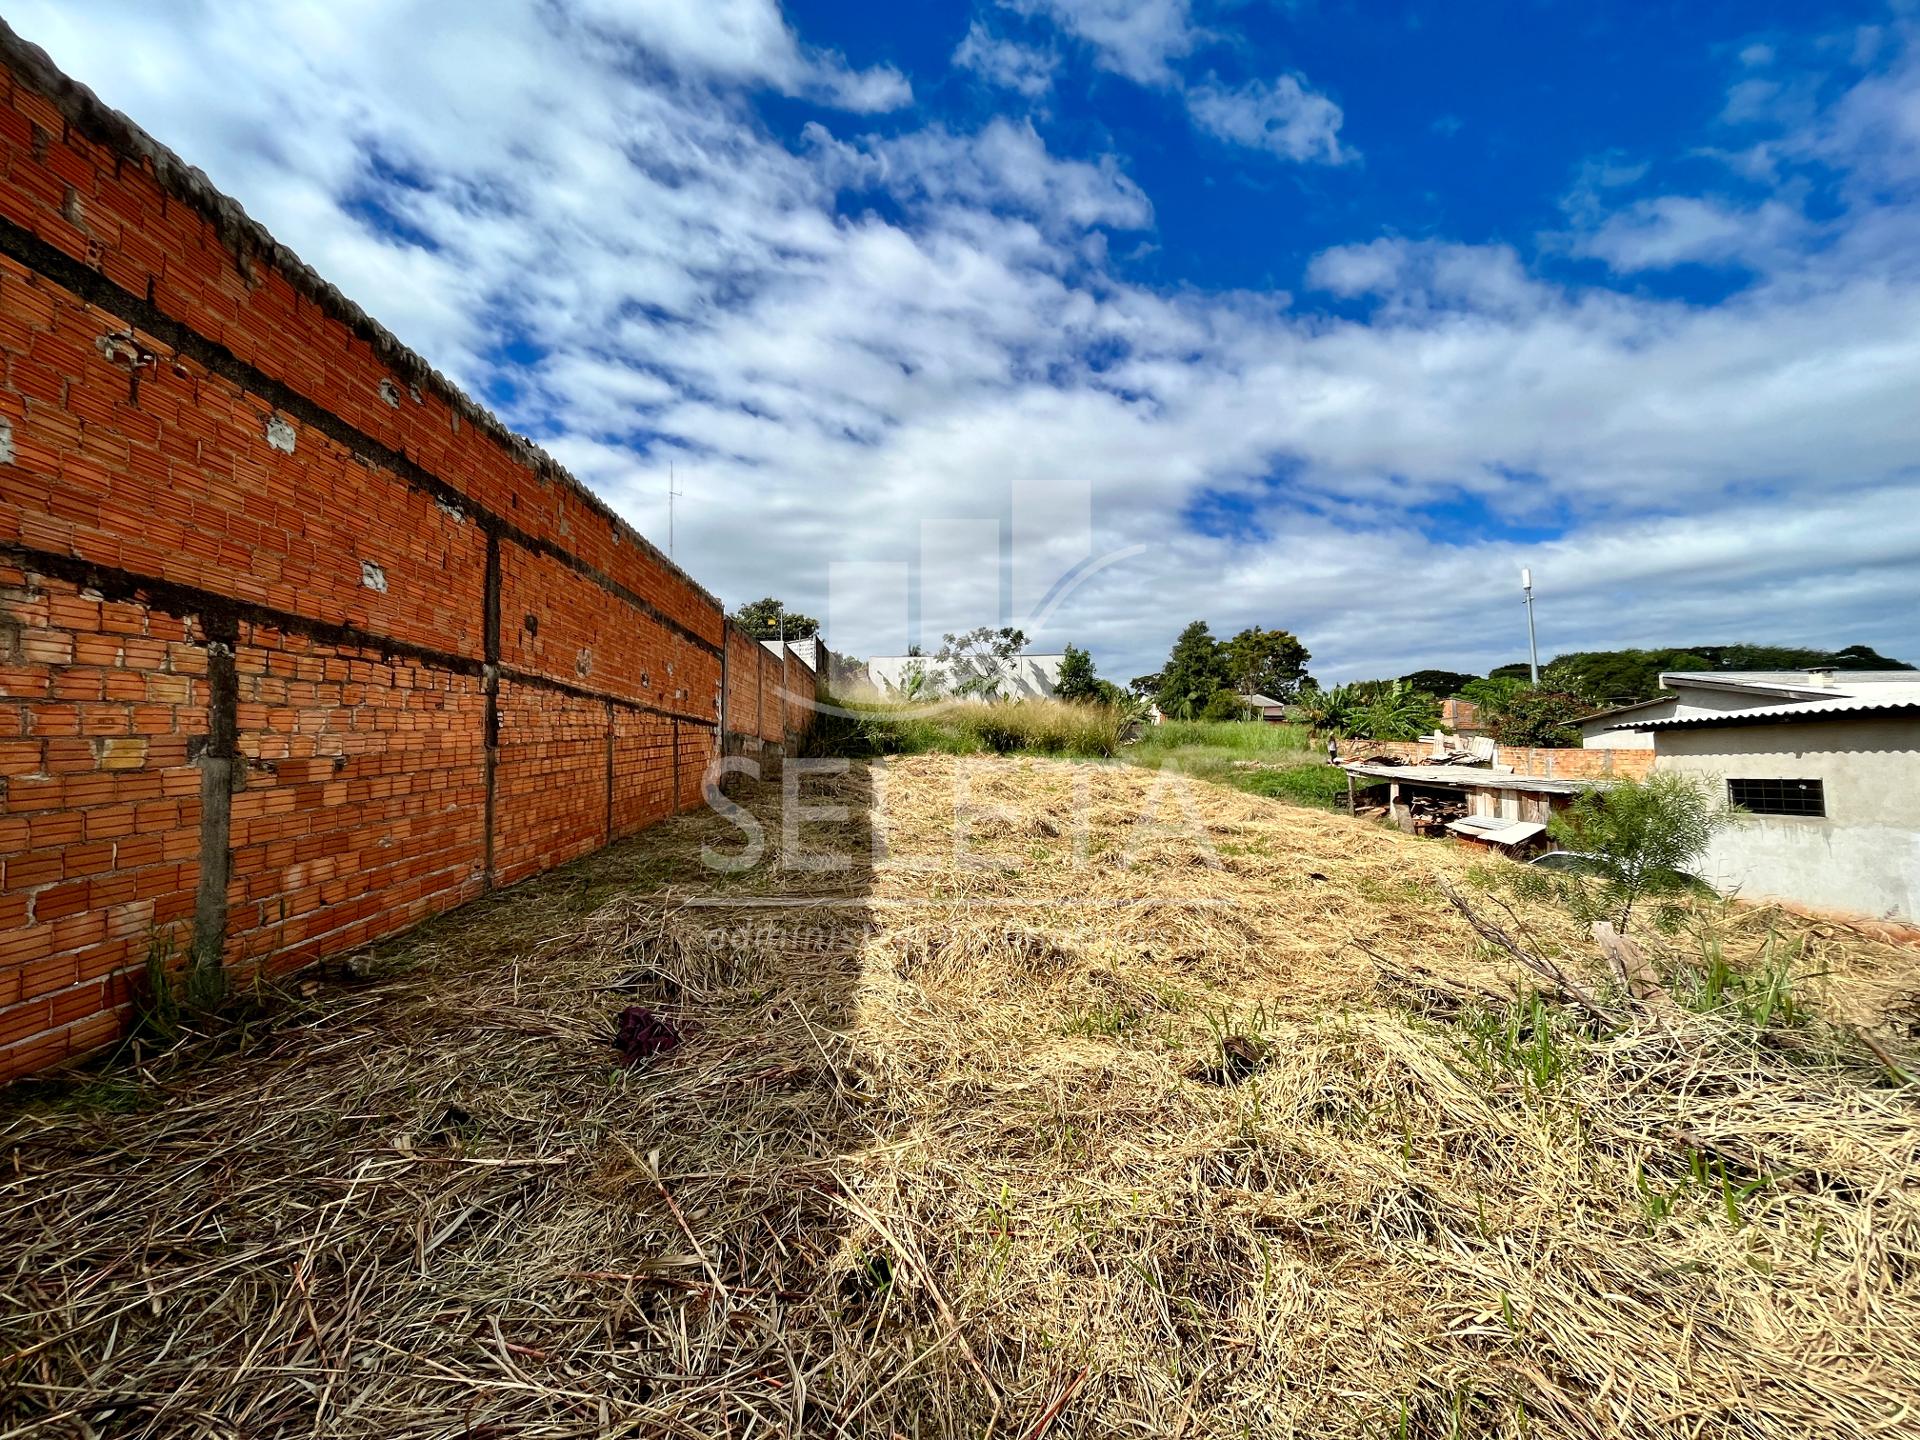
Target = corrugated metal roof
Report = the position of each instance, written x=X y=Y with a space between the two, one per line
x=1805 y=710
x=1468 y=777
x=1500 y=832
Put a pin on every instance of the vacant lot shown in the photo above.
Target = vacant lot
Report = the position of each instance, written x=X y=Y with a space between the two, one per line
x=1224 y=1123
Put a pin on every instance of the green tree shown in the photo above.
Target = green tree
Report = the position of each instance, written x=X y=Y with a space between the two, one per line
x=1642 y=837
x=1398 y=713
x=1224 y=705
x=762 y=620
x=1145 y=686
x=1541 y=717
x=1617 y=677
x=1193 y=673
x=1444 y=683
x=981 y=661
x=1865 y=657
x=1332 y=712
x=1266 y=662
x=1077 y=681
x=1491 y=694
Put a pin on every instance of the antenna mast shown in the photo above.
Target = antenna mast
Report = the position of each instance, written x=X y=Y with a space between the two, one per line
x=672 y=494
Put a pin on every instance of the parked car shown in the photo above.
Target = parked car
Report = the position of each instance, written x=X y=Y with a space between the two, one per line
x=1573 y=862
x=1569 y=860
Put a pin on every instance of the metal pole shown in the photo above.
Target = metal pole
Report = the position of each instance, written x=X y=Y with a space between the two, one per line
x=1533 y=650
x=672 y=493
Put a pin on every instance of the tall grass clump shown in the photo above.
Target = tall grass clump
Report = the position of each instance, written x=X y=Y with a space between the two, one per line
x=1247 y=737
x=959 y=727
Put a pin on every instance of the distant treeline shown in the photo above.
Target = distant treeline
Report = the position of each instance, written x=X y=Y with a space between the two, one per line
x=1621 y=677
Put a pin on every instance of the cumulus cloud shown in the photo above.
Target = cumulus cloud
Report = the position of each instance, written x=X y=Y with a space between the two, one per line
x=836 y=340
x=1006 y=63
x=744 y=41
x=1134 y=38
x=1004 y=166
x=1141 y=39
x=1426 y=274
x=1669 y=230
x=1283 y=116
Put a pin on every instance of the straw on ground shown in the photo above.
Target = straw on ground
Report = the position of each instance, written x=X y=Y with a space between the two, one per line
x=1130 y=1130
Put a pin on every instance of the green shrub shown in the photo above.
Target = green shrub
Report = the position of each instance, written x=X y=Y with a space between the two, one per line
x=1539 y=717
x=1644 y=837
x=1224 y=705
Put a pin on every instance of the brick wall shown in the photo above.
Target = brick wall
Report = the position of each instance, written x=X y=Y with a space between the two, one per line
x=298 y=646
x=1555 y=764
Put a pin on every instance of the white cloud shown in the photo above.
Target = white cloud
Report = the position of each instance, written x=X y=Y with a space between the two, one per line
x=1004 y=166
x=1141 y=39
x=828 y=376
x=1134 y=38
x=746 y=42
x=1284 y=116
x=1006 y=63
x=1669 y=230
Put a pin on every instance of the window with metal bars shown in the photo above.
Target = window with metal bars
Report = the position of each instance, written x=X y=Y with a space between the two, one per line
x=1778 y=797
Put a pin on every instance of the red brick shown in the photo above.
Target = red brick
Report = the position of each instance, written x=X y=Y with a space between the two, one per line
x=364 y=799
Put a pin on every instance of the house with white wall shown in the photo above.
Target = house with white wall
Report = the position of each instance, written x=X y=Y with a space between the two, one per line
x=1826 y=766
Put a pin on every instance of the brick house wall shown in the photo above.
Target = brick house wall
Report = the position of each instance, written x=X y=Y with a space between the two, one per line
x=298 y=646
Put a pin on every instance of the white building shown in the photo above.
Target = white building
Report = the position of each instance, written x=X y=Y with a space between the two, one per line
x=1028 y=677
x=1825 y=763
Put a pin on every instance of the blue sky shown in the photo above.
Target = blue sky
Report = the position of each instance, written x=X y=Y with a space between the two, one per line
x=1321 y=315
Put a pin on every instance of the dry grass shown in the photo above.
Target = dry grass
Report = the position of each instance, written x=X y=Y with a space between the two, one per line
x=954 y=1157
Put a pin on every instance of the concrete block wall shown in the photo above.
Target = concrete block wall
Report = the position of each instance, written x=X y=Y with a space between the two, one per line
x=298 y=646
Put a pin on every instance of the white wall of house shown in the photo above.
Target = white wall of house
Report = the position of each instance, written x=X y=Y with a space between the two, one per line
x=1592 y=737
x=1863 y=857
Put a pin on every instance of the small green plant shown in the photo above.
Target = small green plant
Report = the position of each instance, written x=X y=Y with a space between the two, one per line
x=980 y=662
x=1112 y=1022
x=1705 y=1175
x=1642 y=837
x=1531 y=1040
x=1769 y=994
x=169 y=993
x=1224 y=707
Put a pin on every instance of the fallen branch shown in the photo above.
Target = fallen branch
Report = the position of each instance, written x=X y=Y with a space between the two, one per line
x=1439 y=994
x=1564 y=984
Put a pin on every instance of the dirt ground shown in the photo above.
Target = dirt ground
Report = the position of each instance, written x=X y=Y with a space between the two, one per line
x=1017 y=1098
